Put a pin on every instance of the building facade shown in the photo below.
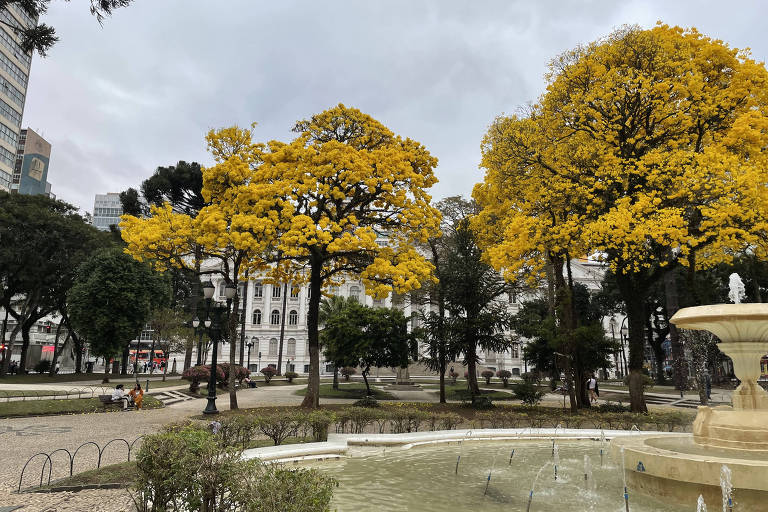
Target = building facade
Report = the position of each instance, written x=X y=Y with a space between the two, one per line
x=33 y=157
x=14 y=77
x=107 y=210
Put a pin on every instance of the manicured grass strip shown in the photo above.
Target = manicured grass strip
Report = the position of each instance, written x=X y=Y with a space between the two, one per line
x=354 y=390
x=36 y=378
x=124 y=473
x=74 y=406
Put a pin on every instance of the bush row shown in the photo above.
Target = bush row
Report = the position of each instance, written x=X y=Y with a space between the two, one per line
x=279 y=425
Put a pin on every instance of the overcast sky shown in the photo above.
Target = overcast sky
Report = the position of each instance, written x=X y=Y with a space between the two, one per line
x=119 y=100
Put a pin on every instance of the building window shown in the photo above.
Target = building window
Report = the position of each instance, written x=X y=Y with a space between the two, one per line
x=306 y=368
x=222 y=289
x=291 y=347
x=516 y=372
x=258 y=290
x=256 y=317
x=293 y=317
x=354 y=293
x=295 y=292
x=255 y=347
x=274 y=318
x=241 y=290
x=515 y=350
x=273 y=347
x=275 y=291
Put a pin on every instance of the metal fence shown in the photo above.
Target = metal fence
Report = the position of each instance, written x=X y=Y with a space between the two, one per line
x=75 y=392
x=48 y=458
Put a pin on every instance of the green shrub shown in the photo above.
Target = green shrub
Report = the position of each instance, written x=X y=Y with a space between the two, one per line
x=487 y=375
x=291 y=375
x=449 y=421
x=368 y=401
x=319 y=421
x=197 y=374
x=238 y=430
x=527 y=392
x=279 y=425
x=612 y=407
x=360 y=418
x=275 y=489
x=268 y=373
x=189 y=468
x=504 y=375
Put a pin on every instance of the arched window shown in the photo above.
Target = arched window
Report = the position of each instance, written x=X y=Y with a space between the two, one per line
x=515 y=350
x=255 y=347
x=222 y=288
x=291 y=347
x=273 y=347
x=354 y=293
x=276 y=291
x=258 y=290
x=256 y=317
x=274 y=318
x=293 y=317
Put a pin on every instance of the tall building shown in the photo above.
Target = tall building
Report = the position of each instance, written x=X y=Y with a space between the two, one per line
x=31 y=173
x=14 y=76
x=107 y=210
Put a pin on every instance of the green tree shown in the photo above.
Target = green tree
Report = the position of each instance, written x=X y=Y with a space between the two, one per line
x=367 y=337
x=42 y=37
x=330 y=307
x=472 y=290
x=42 y=242
x=112 y=299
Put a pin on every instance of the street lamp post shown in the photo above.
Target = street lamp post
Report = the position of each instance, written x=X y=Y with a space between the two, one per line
x=199 y=333
x=249 y=345
x=259 y=364
x=208 y=290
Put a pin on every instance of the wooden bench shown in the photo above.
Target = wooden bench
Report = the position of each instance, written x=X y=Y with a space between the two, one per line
x=106 y=401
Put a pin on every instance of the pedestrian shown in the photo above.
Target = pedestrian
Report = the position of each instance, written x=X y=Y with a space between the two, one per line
x=119 y=394
x=137 y=395
x=591 y=385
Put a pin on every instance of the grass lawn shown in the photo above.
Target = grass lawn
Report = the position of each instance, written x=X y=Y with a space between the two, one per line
x=353 y=390
x=459 y=392
x=73 y=406
x=123 y=473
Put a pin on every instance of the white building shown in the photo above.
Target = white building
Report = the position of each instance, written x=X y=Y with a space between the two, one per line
x=107 y=210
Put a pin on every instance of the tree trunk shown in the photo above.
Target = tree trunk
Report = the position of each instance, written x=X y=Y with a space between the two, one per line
x=335 y=377
x=52 y=369
x=125 y=356
x=634 y=300
x=233 y=348
x=25 y=328
x=312 y=396
x=282 y=331
x=78 y=344
x=474 y=388
x=365 y=378
x=679 y=364
x=194 y=306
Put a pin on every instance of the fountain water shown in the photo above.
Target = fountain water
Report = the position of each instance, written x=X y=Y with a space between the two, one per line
x=588 y=481
x=488 y=481
x=533 y=486
x=555 y=458
x=700 y=505
x=510 y=456
x=602 y=446
x=461 y=446
x=683 y=467
x=727 y=488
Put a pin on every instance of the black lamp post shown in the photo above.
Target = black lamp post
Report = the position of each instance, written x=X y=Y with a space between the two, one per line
x=215 y=332
x=249 y=345
x=199 y=333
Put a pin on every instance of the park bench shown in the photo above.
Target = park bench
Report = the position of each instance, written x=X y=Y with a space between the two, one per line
x=106 y=401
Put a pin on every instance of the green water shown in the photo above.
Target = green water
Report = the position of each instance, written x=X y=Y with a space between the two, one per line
x=423 y=479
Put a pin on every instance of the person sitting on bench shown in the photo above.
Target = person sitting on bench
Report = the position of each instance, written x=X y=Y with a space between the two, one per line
x=119 y=394
x=137 y=396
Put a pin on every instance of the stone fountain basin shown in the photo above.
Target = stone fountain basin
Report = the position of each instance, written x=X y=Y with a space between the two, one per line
x=679 y=469
x=729 y=322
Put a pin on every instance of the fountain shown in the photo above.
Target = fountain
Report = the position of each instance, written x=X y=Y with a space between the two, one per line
x=686 y=466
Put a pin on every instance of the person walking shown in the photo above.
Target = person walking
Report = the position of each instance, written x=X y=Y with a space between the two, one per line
x=592 y=386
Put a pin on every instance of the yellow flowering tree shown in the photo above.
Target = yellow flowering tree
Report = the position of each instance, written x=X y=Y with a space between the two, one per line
x=648 y=148
x=171 y=238
x=345 y=197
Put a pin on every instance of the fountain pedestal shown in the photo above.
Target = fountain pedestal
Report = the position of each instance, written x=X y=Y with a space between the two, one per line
x=682 y=468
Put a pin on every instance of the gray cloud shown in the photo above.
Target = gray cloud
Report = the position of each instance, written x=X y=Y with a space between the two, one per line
x=116 y=102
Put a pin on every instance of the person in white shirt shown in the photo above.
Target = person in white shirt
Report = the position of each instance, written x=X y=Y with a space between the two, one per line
x=119 y=394
x=592 y=384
